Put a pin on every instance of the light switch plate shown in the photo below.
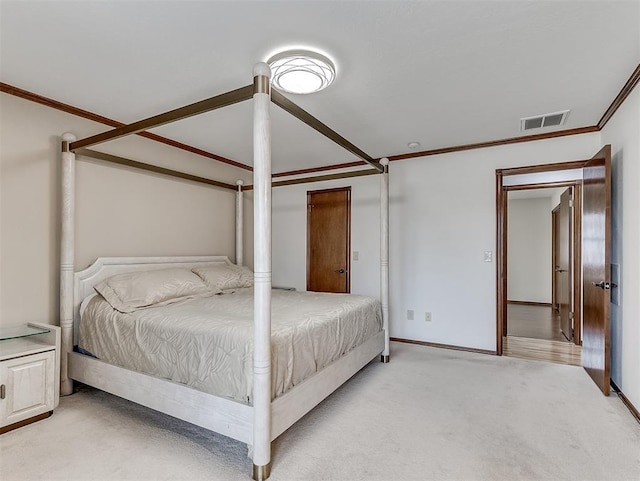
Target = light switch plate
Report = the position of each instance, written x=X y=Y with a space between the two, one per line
x=488 y=256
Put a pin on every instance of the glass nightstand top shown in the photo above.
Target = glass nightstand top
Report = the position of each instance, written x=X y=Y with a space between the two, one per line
x=16 y=332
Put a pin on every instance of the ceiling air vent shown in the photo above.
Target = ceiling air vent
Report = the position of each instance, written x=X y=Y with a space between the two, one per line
x=544 y=120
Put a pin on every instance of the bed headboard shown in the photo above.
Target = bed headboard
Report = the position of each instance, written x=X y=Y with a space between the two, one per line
x=104 y=267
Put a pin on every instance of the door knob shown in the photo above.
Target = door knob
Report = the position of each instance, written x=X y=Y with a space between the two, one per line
x=340 y=271
x=604 y=285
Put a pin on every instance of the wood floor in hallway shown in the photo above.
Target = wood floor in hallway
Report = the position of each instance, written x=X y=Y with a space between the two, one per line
x=538 y=322
x=533 y=332
x=542 y=350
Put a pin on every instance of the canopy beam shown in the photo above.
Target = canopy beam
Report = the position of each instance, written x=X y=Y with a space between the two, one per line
x=213 y=103
x=114 y=159
x=301 y=114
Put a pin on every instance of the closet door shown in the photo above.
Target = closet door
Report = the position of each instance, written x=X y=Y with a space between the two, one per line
x=328 y=240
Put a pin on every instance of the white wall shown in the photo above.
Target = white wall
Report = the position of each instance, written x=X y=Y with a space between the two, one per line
x=289 y=233
x=442 y=221
x=120 y=211
x=622 y=132
x=529 y=250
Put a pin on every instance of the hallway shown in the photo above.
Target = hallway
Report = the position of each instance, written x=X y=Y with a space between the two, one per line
x=533 y=332
x=537 y=322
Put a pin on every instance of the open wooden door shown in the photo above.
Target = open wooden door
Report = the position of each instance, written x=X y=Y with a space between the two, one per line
x=596 y=337
x=554 y=258
x=328 y=240
x=564 y=267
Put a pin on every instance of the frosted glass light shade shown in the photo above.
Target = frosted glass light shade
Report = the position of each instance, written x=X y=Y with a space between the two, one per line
x=301 y=71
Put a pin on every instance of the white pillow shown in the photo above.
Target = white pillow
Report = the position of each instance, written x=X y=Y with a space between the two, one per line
x=131 y=291
x=220 y=277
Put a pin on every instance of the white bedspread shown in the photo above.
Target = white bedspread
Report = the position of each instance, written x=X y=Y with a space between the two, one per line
x=207 y=343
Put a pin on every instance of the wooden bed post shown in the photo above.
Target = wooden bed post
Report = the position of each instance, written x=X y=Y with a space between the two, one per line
x=67 y=247
x=262 y=272
x=384 y=255
x=239 y=225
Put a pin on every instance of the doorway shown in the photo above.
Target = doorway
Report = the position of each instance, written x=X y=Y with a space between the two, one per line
x=329 y=240
x=543 y=312
x=540 y=260
x=591 y=274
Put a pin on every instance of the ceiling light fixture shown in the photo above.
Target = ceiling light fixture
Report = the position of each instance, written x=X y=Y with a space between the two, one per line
x=301 y=71
x=413 y=145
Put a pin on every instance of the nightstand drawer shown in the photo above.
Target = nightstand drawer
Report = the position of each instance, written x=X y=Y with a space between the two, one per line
x=27 y=386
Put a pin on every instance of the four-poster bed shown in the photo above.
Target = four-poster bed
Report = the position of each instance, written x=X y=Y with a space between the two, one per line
x=265 y=418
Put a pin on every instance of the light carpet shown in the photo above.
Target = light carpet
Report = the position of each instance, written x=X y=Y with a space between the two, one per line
x=430 y=414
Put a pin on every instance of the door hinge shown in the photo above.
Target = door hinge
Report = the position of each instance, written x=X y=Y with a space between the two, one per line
x=570 y=202
x=571 y=316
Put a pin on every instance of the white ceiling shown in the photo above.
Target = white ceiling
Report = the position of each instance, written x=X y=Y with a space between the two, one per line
x=440 y=73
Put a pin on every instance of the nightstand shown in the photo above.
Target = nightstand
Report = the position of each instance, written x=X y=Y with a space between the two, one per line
x=29 y=374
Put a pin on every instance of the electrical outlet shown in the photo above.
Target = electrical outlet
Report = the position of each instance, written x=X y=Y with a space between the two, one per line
x=410 y=315
x=356 y=255
x=427 y=316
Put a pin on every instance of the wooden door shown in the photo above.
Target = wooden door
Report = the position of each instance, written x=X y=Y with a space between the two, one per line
x=596 y=230
x=328 y=240
x=564 y=266
x=554 y=257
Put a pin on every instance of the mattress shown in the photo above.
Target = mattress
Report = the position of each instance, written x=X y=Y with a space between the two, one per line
x=207 y=343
